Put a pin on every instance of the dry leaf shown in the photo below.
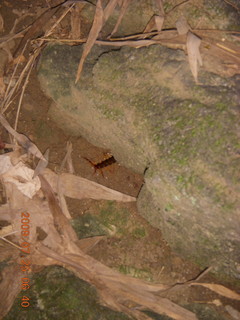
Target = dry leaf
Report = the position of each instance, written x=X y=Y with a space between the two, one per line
x=101 y=16
x=22 y=177
x=1 y=23
x=87 y=244
x=223 y=291
x=120 y=2
x=109 y=9
x=5 y=163
x=2 y=87
x=93 y=34
x=68 y=159
x=27 y=144
x=233 y=312
x=6 y=230
x=79 y=188
x=155 y=23
x=182 y=26
x=63 y=226
x=124 y=6
x=160 y=7
x=60 y=246
x=62 y=202
x=114 y=288
x=194 y=56
x=42 y=164
x=36 y=28
x=159 y=22
x=76 y=21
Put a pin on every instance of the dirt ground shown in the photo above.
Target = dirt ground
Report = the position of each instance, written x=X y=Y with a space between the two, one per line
x=131 y=245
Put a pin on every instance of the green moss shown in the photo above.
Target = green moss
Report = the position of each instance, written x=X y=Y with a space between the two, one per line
x=167 y=6
x=135 y=272
x=169 y=207
x=110 y=216
x=139 y=233
x=88 y=225
x=221 y=106
x=57 y=294
x=195 y=13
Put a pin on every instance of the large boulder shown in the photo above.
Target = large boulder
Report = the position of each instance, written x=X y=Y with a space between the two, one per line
x=144 y=105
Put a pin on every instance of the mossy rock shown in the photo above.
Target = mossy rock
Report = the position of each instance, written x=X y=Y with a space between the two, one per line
x=144 y=105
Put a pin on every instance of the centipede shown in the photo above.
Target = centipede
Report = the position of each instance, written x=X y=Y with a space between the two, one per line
x=99 y=166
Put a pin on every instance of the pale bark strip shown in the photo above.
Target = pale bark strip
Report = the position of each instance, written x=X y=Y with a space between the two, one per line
x=114 y=293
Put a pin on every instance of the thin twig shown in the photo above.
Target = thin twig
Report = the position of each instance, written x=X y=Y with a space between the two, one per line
x=29 y=65
x=13 y=74
x=21 y=96
x=232 y=5
x=59 y=20
x=10 y=242
x=6 y=101
x=177 y=5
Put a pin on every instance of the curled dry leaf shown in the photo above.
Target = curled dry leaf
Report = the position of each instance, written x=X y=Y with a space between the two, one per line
x=182 y=25
x=22 y=177
x=194 y=56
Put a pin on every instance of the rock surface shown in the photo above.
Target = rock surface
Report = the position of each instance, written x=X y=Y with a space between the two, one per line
x=143 y=104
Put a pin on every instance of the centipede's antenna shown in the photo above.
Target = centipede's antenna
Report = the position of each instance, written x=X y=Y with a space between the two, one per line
x=92 y=164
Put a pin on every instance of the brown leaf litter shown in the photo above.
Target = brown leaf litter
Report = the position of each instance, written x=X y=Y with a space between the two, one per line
x=37 y=197
x=41 y=193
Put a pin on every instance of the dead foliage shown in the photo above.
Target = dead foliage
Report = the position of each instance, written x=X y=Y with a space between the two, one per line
x=41 y=192
x=191 y=41
x=37 y=195
x=200 y=45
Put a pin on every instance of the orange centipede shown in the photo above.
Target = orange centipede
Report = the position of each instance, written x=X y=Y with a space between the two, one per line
x=99 y=166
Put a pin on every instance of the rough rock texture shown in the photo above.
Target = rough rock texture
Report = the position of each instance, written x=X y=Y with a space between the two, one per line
x=144 y=105
x=200 y=14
